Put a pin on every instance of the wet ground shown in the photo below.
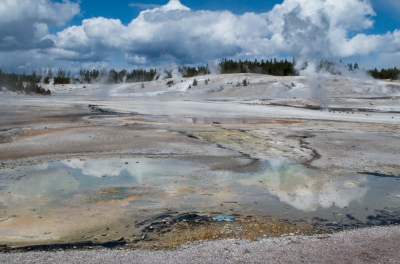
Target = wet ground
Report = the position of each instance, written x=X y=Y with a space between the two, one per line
x=49 y=200
x=155 y=171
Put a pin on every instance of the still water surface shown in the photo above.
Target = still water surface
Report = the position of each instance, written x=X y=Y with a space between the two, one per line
x=280 y=189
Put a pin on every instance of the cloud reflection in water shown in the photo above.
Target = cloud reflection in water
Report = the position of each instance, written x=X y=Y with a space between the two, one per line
x=306 y=191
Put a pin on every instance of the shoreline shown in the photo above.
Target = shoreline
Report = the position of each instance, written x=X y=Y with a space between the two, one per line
x=367 y=245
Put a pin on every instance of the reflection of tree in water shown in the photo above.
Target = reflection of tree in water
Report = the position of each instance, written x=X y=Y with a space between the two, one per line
x=385 y=217
x=381 y=217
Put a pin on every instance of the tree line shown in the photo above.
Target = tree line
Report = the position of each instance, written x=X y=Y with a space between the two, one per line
x=22 y=83
x=113 y=76
x=331 y=67
x=391 y=73
x=30 y=83
x=188 y=71
x=271 y=67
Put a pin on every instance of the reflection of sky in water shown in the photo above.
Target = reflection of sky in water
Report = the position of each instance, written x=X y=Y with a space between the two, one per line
x=76 y=175
x=297 y=186
x=309 y=192
x=136 y=168
x=49 y=183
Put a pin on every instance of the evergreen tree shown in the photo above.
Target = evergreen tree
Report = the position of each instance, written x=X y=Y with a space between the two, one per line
x=390 y=73
x=350 y=65
x=273 y=67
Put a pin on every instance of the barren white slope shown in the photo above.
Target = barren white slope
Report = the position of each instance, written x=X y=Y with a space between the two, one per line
x=231 y=86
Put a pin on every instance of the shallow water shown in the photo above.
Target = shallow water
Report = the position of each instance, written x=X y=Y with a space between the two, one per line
x=139 y=188
x=203 y=120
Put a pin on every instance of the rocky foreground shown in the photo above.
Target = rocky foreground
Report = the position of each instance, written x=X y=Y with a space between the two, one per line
x=374 y=245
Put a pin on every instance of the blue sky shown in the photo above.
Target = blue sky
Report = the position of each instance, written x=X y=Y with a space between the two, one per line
x=120 y=9
x=130 y=34
x=387 y=18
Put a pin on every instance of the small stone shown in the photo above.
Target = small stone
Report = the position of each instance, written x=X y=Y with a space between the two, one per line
x=144 y=236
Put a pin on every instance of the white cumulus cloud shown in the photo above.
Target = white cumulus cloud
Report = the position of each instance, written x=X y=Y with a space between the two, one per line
x=308 y=28
x=24 y=24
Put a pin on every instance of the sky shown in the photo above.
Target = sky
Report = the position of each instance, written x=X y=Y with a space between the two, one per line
x=143 y=34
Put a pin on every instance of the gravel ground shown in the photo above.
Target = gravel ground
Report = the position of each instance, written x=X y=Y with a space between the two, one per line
x=369 y=151
x=374 y=245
